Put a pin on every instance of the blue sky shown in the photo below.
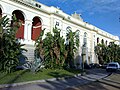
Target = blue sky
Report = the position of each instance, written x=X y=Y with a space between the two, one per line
x=103 y=14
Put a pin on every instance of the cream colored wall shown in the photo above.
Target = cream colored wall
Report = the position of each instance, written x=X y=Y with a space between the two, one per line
x=29 y=14
x=49 y=16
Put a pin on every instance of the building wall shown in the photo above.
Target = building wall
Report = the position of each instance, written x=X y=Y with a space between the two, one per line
x=51 y=17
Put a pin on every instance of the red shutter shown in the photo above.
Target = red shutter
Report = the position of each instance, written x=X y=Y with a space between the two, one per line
x=36 y=29
x=20 y=32
x=35 y=33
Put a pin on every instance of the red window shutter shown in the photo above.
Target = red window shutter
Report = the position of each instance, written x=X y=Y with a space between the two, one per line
x=20 y=32
x=35 y=32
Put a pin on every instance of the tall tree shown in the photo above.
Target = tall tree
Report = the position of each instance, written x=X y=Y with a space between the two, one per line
x=108 y=53
x=71 y=46
x=53 y=47
x=56 y=52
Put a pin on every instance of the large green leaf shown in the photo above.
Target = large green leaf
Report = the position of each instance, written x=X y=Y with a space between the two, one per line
x=11 y=49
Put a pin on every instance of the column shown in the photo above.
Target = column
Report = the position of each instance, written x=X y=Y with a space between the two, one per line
x=51 y=22
x=27 y=30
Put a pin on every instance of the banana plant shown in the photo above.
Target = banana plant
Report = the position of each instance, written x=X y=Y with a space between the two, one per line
x=10 y=48
x=55 y=51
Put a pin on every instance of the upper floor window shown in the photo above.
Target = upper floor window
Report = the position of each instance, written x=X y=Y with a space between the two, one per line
x=37 y=5
x=57 y=23
x=97 y=40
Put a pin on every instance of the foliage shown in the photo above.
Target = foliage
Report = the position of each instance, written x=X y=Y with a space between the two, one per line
x=100 y=50
x=108 y=53
x=10 y=48
x=71 y=46
x=53 y=50
x=114 y=52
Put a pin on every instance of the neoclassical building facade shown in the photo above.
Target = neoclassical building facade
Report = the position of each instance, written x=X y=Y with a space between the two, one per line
x=35 y=17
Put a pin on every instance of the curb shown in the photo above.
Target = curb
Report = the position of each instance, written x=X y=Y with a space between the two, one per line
x=51 y=79
x=94 y=80
x=37 y=81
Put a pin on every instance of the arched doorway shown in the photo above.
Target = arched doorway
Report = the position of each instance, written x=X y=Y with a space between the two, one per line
x=36 y=28
x=20 y=17
x=0 y=12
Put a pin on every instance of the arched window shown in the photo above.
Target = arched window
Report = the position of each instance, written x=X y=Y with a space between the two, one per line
x=102 y=41
x=78 y=33
x=68 y=28
x=97 y=40
x=85 y=39
x=36 y=28
x=20 y=17
x=85 y=34
x=106 y=42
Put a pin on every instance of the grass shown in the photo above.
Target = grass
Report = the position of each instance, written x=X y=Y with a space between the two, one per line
x=26 y=75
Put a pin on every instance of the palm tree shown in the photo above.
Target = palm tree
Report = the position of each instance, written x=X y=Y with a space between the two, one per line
x=114 y=51
x=56 y=53
x=108 y=53
x=53 y=47
x=100 y=50
x=71 y=46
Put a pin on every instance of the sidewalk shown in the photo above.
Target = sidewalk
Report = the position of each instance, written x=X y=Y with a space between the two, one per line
x=54 y=83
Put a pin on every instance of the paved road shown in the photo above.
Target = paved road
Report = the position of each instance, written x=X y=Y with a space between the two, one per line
x=95 y=86
x=92 y=75
x=111 y=82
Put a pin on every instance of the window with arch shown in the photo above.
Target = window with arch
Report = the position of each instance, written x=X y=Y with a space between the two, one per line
x=68 y=29
x=97 y=40
x=77 y=36
x=85 y=39
x=36 y=28
x=102 y=41
x=19 y=15
x=106 y=42
x=78 y=33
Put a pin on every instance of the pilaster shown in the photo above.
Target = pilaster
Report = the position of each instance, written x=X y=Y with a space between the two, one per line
x=27 y=30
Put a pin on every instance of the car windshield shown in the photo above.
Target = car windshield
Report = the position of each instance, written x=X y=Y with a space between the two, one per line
x=113 y=65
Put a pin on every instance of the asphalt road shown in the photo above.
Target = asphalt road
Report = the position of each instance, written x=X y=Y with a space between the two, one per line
x=111 y=82
x=76 y=83
x=95 y=86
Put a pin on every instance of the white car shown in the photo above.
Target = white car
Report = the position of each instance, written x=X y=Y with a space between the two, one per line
x=112 y=66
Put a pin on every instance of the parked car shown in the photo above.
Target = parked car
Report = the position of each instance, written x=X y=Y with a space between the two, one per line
x=95 y=65
x=112 y=66
x=104 y=66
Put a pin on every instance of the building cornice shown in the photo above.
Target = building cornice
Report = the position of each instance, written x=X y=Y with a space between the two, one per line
x=56 y=11
x=30 y=6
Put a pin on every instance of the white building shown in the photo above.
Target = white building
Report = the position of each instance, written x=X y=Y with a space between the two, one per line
x=36 y=16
